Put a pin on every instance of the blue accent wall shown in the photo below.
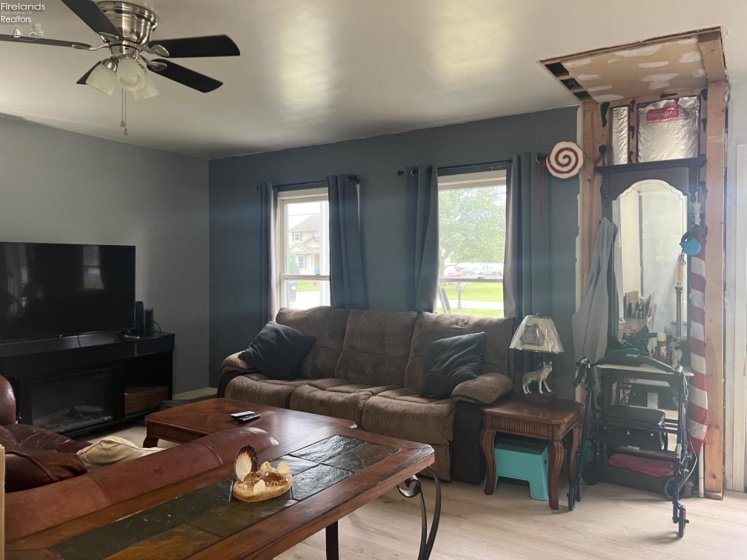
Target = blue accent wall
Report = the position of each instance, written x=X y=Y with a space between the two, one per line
x=234 y=216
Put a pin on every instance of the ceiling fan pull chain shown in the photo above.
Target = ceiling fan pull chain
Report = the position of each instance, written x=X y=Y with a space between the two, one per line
x=123 y=122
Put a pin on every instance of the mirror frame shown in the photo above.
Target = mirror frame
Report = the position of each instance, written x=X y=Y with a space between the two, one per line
x=682 y=174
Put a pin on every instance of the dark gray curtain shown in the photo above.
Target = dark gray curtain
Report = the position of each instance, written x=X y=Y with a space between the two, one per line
x=268 y=304
x=421 y=186
x=526 y=276
x=347 y=281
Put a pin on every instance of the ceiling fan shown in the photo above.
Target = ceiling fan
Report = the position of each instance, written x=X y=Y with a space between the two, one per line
x=125 y=29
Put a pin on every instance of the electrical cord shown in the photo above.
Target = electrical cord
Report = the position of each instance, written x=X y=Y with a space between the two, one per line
x=159 y=327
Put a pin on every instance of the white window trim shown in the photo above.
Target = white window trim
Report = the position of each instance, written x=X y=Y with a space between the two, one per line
x=735 y=363
x=305 y=195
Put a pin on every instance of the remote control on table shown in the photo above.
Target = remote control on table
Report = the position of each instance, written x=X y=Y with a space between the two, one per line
x=252 y=416
x=240 y=414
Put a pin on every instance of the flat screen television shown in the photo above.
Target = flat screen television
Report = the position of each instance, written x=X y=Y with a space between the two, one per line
x=48 y=290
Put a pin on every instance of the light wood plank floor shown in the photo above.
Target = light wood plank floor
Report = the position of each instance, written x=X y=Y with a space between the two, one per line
x=611 y=522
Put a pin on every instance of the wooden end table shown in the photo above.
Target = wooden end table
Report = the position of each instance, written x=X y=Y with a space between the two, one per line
x=550 y=422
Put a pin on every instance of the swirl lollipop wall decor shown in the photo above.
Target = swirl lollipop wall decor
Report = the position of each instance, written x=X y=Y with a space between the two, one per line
x=565 y=160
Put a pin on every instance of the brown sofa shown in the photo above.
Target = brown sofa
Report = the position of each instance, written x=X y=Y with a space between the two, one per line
x=50 y=458
x=368 y=365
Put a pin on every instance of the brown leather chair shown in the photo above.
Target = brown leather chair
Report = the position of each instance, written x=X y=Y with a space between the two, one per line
x=34 y=456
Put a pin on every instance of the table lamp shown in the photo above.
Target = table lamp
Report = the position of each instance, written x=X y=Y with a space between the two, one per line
x=537 y=333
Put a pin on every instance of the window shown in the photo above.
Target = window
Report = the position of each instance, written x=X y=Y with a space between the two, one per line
x=303 y=248
x=472 y=236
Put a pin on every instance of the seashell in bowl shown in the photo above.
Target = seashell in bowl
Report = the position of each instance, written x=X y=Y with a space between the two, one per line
x=255 y=483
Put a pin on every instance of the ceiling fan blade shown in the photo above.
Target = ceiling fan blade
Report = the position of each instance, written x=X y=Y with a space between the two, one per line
x=41 y=41
x=84 y=77
x=188 y=47
x=185 y=76
x=92 y=16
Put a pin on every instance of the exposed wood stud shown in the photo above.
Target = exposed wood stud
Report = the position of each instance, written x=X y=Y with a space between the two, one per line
x=713 y=56
x=714 y=295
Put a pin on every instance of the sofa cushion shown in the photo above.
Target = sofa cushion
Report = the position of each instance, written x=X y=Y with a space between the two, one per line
x=452 y=361
x=111 y=450
x=347 y=404
x=403 y=413
x=31 y=469
x=430 y=327
x=484 y=389
x=334 y=397
x=34 y=438
x=376 y=347
x=8 y=441
x=278 y=351
x=260 y=389
x=327 y=325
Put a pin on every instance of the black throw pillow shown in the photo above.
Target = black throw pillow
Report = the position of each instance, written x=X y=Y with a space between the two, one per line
x=452 y=361
x=278 y=351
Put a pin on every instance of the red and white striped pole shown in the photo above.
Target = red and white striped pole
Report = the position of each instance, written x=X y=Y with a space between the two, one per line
x=697 y=413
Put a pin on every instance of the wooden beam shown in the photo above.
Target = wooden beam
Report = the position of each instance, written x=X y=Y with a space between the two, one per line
x=714 y=294
x=713 y=56
x=595 y=135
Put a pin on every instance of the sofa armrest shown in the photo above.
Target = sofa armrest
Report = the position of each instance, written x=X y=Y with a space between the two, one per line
x=234 y=363
x=232 y=367
x=483 y=389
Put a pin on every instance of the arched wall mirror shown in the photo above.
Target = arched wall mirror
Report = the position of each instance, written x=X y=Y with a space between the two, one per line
x=650 y=204
x=651 y=217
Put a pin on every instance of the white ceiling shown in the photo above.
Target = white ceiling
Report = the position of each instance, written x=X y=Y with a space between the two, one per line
x=319 y=71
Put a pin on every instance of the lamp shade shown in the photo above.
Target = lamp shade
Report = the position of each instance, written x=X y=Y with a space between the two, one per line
x=103 y=78
x=150 y=89
x=537 y=333
x=130 y=74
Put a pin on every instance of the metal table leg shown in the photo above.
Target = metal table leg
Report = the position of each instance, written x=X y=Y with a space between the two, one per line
x=413 y=487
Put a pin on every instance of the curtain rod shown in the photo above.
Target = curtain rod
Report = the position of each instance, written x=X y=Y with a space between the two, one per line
x=306 y=184
x=472 y=167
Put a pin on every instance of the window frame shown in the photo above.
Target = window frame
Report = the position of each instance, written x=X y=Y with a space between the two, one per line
x=281 y=253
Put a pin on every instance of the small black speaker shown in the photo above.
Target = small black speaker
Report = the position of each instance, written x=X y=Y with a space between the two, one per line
x=139 y=318
x=148 y=327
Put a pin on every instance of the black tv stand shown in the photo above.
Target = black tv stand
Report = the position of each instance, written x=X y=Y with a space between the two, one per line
x=79 y=384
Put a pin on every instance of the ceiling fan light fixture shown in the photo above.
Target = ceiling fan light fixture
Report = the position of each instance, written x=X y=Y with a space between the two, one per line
x=150 y=89
x=103 y=78
x=130 y=75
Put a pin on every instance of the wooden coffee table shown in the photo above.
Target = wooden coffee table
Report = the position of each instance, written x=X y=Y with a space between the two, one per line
x=546 y=421
x=188 y=422
x=335 y=470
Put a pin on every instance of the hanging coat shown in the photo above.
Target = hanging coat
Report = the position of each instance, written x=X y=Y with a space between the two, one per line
x=591 y=323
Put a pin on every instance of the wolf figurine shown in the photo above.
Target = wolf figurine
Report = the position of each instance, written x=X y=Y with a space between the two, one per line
x=539 y=376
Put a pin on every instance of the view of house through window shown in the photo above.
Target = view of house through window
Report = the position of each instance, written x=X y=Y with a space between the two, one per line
x=472 y=236
x=303 y=246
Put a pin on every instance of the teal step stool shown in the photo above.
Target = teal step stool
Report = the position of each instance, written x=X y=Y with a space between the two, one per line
x=524 y=461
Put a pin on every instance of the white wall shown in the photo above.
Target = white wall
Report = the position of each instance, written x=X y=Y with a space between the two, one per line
x=58 y=186
x=735 y=363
